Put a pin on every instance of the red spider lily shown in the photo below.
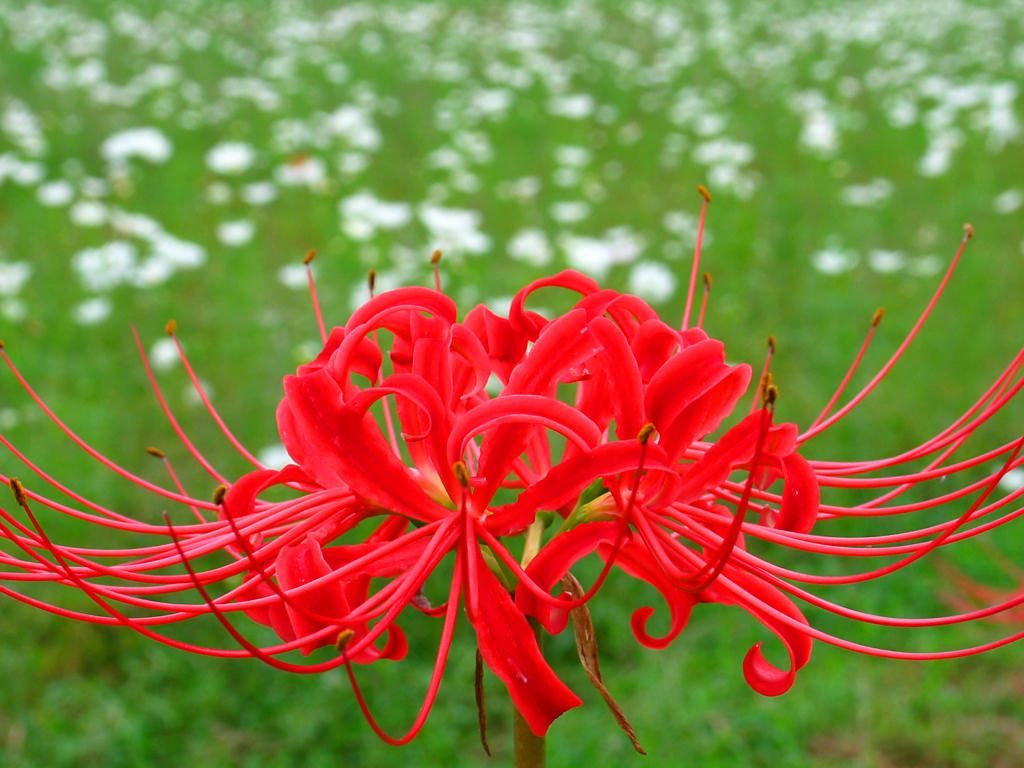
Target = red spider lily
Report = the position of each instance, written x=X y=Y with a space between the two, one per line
x=604 y=424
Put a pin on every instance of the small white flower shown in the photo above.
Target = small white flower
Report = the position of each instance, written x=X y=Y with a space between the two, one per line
x=148 y=144
x=55 y=194
x=887 y=262
x=163 y=355
x=652 y=281
x=235 y=233
x=293 y=276
x=274 y=456
x=91 y=311
x=13 y=275
x=88 y=213
x=259 y=193
x=230 y=158
x=833 y=261
x=530 y=246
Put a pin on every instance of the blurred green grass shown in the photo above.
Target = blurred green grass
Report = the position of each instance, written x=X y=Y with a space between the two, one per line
x=80 y=695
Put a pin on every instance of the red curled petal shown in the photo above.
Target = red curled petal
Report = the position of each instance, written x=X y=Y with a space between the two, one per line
x=411 y=299
x=552 y=563
x=801 y=495
x=637 y=562
x=299 y=564
x=529 y=323
x=240 y=499
x=525 y=409
x=751 y=594
x=566 y=481
x=736 y=447
x=623 y=378
x=343 y=446
x=509 y=647
x=504 y=344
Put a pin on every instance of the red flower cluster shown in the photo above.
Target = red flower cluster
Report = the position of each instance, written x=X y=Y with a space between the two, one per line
x=497 y=452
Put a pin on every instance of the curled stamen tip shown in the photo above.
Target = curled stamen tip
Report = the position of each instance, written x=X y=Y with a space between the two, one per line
x=646 y=432
x=703 y=192
x=461 y=473
x=156 y=453
x=18 y=490
x=219 y=493
x=435 y=257
x=968 y=231
x=344 y=638
x=879 y=314
x=771 y=394
x=707 y=281
x=310 y=255
x=171 y=328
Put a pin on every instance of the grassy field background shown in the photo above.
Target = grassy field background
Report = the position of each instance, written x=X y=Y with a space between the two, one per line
x=177 y=160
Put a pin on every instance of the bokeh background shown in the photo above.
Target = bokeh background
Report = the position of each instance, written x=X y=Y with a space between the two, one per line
x=177 y=160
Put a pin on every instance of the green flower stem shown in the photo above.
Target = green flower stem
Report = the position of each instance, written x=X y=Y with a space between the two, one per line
x=529 y=748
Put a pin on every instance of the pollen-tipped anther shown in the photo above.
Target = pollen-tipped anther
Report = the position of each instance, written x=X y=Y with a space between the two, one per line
x=968 y=231
x=19 y=491
x=771 y=394
x=171 y=328
x=703 y=191
x=771 y=345
x=877 y=318
x=156 y=453
x=647 y=431
x=308 y=258
x=344 y=638
x=219 y=493
x=435 y=257
x=461 y=473
x=371 y=280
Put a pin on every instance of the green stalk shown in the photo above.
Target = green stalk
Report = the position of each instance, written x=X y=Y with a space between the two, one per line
x=529 y=748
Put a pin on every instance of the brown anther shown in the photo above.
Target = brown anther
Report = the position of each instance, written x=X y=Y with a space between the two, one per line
x=771 y=344
x=646 y=432
x=771 y=394
x=461 y=473
x=171 y=328
x=344 y=638
x=703 y=191
x=879 y=314
x=371 y=279
x=19 y=491
x=968 y=231
x=1 y=344
x=156 y=453
x=310 y=255
x=435 y=257
x=219 y=493
x=707 y=281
